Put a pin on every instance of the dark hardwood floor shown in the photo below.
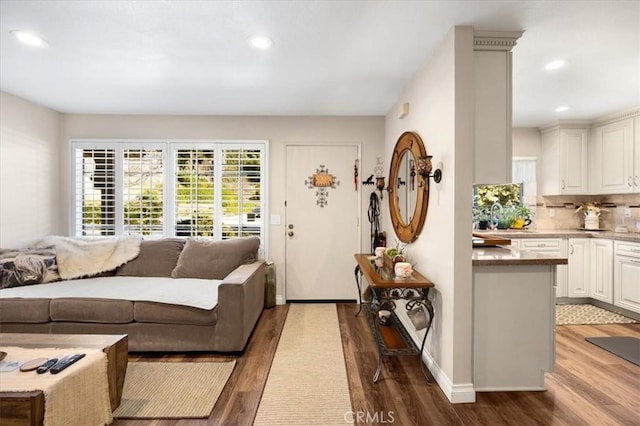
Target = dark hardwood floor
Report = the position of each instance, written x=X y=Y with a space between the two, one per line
x=589 y=386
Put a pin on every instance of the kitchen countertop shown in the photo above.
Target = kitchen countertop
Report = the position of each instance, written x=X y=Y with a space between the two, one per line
x=563 y=233
x=505 y=256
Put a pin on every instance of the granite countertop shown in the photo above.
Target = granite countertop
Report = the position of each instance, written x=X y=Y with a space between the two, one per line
x=506 y=256
x=564 y=233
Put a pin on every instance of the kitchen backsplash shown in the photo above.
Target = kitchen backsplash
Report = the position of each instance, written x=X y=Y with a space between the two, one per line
x=565 y=217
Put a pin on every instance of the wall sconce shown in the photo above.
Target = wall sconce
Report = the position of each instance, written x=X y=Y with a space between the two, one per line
x=380 y=185
x=425 y=168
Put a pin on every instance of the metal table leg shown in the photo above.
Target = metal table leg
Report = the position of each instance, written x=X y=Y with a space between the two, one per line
x=379 y=369
x=358 y=277
x=429 y=307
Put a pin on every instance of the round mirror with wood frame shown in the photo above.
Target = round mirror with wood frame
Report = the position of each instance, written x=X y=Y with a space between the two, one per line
x=408 y=228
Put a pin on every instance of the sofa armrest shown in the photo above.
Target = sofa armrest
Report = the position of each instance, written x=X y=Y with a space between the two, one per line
x=240 y=303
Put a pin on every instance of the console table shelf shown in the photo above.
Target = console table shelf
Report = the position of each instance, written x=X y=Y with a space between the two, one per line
x=393 y=339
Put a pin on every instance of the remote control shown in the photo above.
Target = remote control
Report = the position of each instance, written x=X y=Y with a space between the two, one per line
x=46 y=366
x=64 y=364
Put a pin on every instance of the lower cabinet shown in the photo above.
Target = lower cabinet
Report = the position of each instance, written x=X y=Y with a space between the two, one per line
x=601 y=270
x=551 y=246
x=578 y=270
x=626 y=276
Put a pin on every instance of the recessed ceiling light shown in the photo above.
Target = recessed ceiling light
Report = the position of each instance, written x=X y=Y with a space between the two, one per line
x=562 y=108
x=261 y=42
x=554 y=65
x=30 y=39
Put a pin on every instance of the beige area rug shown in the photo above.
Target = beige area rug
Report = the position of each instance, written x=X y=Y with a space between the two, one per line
x=307 y=383
x=588 y=314
x=155 y=390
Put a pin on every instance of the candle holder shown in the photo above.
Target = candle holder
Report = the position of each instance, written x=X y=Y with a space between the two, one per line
x=424 y=169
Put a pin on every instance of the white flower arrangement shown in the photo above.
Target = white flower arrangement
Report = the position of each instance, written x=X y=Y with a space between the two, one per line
x=590 y=207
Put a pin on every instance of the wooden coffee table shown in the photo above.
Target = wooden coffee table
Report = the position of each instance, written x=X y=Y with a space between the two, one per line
x=28 y=407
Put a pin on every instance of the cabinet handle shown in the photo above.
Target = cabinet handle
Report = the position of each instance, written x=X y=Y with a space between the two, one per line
x=541 y=245
x=635 y=181
x=563 y=184
x=571 y=246
x=629 y=181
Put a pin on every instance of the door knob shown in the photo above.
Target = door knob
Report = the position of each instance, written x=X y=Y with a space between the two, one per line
x=290 y=233
x=290 y=226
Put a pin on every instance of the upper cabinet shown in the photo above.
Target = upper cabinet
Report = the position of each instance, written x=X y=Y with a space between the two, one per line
x=582 y=157
x=615 y=158
x=565 y=158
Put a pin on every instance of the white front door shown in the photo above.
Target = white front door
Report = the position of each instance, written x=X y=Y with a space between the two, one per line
x=322 y=222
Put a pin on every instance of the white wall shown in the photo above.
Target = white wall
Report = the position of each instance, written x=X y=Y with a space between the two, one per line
x=280 y=131
x=442 y=112
x=29 y=170
x=526 y=142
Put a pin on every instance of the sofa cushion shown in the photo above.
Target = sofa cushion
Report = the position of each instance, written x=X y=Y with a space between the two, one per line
x=215 y=259
x=27 y=266
x=157 y=258
x=173 y=314
x=92 y=310
x=31 y=310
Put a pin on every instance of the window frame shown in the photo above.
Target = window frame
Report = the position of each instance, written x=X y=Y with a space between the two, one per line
x=169 y=148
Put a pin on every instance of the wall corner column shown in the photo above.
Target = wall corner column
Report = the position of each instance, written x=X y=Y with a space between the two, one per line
x=493 y=100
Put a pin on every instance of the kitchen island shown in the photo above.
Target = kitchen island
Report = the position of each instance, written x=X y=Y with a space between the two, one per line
x=513 y=318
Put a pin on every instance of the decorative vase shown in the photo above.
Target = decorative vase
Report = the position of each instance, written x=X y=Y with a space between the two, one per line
x=591 y=220
x=403 y=269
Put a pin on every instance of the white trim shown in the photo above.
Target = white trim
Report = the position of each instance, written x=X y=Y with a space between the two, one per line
x=119 y=183
x=456 y=393
x=169 y=191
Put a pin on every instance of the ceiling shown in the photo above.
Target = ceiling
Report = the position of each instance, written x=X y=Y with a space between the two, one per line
x=328 y=57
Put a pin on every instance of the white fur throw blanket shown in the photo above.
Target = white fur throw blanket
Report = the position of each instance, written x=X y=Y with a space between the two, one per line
x=79 y=257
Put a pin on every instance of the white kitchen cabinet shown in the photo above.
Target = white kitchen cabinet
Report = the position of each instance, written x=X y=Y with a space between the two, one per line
x=626 y=275
x=551 y=246
x=601 y=270
x=578 y=270
x=564 y=160
x=615 y=158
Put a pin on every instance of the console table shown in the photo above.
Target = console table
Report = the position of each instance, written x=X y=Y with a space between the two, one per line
x=393 y=339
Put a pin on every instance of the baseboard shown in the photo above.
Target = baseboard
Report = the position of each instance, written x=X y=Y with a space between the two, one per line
x=456 y=393
x=617 y=309
x=462 y=393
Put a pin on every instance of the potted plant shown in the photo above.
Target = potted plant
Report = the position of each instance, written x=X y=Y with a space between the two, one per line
x=481 y=216
x=522 y=216
x=506 y=218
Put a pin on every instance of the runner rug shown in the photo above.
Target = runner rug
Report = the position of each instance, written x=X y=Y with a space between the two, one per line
x=588 y=314
x=165 y=390
x=307 y=384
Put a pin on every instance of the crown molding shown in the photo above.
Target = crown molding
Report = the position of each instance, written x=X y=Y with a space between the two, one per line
x=586 y=124
x=616 y=116
x=565 y=124
x=495 y=40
